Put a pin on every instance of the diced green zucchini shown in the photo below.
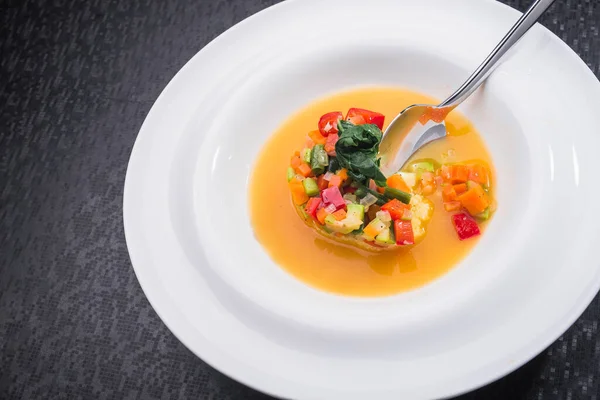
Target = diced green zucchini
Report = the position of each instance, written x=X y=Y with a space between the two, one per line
x=385 y=237
x=306 y=155
x=319 y=160
x=422 y=166
x=290 y=173
x=344 y=226
x=310 y=187
x=410 y=178
x=356 y=211
x=397 y=194
x=484 y=215
x=374 y=228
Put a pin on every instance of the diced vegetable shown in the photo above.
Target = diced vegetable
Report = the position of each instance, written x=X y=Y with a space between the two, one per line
x=295 y=161
x=465 y=226
x=395 y=208
x=460 y=188
x=479 y=174
x=317 y=137
x=328 y=122
x=484 y=216
x=397 y=182
x=423 y=166
x=385 y=237
x=452 y=206
x=330 y=144
x=322 y=183
x=340 y=214
x=373 y=229
x=368 y=200
x=299 y=196
x=322 y=213
x=474 y=200
x=448 y=193
x=343 y=173
x=344 y=226
x=350 y=198
x=455 y=173
x=384 y=216
x=410 y=178
x=312 y=206
x=403 y=231
x=397 y=194
x=304 y=169
x=305 y=155
x=356 y=211
x=290 y=173
x=334 y=197
x=335 y=181
x=310 y=187
x=319 y=160
x=360 y=116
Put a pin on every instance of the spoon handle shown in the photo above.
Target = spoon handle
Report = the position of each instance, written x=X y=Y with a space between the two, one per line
x=521 y=27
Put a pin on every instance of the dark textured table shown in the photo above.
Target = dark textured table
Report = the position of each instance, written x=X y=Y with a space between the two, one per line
x=77 y=79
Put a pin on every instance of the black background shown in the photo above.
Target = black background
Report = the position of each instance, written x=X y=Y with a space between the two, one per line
x=77 y=79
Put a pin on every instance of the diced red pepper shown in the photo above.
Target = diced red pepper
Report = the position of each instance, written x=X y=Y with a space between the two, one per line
x=359 y=116
x=332 y=195
x=465 y=226
x=312 y=206
x=404 y=233
x=328 y=123
x=396 y=208
x=330 y=144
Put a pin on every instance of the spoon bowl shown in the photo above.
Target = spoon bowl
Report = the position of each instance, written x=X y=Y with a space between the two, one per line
x=420 y=124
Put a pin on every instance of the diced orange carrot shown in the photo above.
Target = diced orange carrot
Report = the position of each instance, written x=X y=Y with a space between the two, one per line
x=304 y=169
x=295 y=162
x=317 y=137
x=299 y=196
x=335 y=181
x=339 y=214
x=396 y=182
x=478 y=173
x=427 y=190
x=380 y=190
x=459 y=173
x=321 y=215
x=452 y=206
x=297 y=153
x=343 y=173
x=460 y=188
x=455 y=173
x=475 y=200
x=322 y=183
x=448 y=193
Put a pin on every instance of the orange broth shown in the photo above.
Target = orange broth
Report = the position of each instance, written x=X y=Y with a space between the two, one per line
x=342 y=269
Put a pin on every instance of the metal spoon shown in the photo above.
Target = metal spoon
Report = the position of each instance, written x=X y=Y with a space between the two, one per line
x=401 y=141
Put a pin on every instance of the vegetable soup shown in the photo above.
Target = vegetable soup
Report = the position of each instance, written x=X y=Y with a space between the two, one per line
x=338 y=224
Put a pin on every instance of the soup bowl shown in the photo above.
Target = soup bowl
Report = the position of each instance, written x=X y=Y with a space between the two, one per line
x=192 y=245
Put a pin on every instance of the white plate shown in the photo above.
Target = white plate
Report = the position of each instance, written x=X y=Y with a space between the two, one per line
x=530 y=277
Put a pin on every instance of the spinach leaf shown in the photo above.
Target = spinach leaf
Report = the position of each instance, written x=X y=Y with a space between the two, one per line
x=357 y=150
